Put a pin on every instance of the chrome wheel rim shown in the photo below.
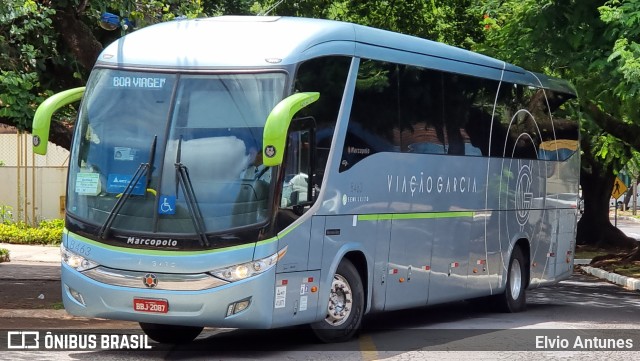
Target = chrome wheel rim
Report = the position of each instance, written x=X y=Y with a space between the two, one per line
x=515 y=279
x=340 y=301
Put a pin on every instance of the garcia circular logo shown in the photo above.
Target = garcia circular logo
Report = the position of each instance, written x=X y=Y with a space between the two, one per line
x=523 y=195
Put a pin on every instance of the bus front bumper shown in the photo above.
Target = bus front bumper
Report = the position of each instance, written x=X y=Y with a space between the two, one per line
x=86 y=297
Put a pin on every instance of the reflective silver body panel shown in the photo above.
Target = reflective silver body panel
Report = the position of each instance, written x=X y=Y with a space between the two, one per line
x=431 y=228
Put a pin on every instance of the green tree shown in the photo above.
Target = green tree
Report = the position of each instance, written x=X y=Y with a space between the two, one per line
x=573 y=40
x=27 y=49
x=48 y=46
x=447 y=21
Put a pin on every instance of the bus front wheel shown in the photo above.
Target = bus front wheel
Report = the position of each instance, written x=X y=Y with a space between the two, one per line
x=170 y=333
x=345 y=307
x=514 y=298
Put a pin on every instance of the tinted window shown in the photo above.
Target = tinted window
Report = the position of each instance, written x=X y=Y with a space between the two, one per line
x=524 y=126
x=373 y=123
x=445 y=113
x=328 y=76
x=399 y=108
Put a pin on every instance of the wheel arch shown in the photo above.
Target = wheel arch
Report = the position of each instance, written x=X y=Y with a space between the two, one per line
x=359 y=261
x=352 y=252
x=525 y=247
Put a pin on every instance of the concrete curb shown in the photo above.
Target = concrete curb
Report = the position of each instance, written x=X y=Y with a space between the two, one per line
x=38 y=313
x=629 y=283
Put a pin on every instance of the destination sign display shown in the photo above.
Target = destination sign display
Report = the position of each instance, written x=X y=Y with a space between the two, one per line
x=145 y=82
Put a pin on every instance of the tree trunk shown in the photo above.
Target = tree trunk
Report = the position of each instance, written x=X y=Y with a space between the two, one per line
x=77 y=36
x=595 y=228
x=61 y=134
x=627 y=197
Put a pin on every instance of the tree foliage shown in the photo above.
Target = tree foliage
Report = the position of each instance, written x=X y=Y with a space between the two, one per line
x=589 y=43
x=446 y=21
x=27 y=49
x=47 y=46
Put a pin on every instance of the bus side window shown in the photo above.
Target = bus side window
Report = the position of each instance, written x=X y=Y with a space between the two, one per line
x=296 y=190
x=327 y=75
x=373 y=122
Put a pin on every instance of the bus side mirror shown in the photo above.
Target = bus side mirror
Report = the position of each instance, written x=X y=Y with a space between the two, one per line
x=277 y=126
x=42 y=118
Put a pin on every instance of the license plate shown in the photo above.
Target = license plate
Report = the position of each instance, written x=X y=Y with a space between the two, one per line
x=150 y=305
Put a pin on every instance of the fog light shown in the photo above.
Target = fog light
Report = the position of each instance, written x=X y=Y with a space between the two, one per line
x=76 y=295
x=239 y=306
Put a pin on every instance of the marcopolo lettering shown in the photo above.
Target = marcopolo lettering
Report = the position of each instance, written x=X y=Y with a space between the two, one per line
x=152 y=242
x=362 y=151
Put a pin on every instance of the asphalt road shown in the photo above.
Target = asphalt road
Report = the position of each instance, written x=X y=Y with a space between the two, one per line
x=581 y=306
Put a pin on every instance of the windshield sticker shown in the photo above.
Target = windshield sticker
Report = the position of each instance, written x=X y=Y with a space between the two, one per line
x=117 y=183
x=124 y=153
x=167 y=205
x=88 y=184
x=138 y=82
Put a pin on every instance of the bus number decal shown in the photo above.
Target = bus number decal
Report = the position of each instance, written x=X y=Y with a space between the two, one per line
x=78 y=247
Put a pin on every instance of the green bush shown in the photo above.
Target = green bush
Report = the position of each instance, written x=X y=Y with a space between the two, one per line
x=47 y=232
x=4 y=255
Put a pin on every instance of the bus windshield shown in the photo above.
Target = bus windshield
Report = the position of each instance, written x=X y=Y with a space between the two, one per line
x=188 y=147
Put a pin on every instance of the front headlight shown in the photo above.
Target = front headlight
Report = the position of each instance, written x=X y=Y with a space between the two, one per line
x=76 y=261
x=249 y=269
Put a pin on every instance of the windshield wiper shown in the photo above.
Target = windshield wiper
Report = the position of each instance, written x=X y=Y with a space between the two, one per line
x=182 y=175
x=128 y=190
x=152 y=156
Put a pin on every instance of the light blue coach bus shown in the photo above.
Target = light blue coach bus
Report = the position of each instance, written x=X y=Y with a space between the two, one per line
x=259 y=172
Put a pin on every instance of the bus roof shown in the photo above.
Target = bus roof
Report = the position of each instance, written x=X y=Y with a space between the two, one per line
x=268 y=41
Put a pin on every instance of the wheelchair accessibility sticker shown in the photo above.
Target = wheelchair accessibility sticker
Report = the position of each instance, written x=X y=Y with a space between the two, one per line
x=167 y=205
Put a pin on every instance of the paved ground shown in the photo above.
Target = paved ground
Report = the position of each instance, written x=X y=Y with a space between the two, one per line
x=33 y=253
x=30 y=291
x=31 y=280
x=30 y=284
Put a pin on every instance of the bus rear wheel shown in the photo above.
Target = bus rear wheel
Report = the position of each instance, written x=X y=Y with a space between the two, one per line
x=345 y=307
x=514 y=298
x=170 y=333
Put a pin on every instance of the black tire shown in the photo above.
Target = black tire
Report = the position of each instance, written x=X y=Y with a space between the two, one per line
x=514 y=298
x=342 y=321
x=170 y=333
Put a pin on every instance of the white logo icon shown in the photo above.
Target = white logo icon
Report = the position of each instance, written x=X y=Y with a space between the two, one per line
x=21 y=340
